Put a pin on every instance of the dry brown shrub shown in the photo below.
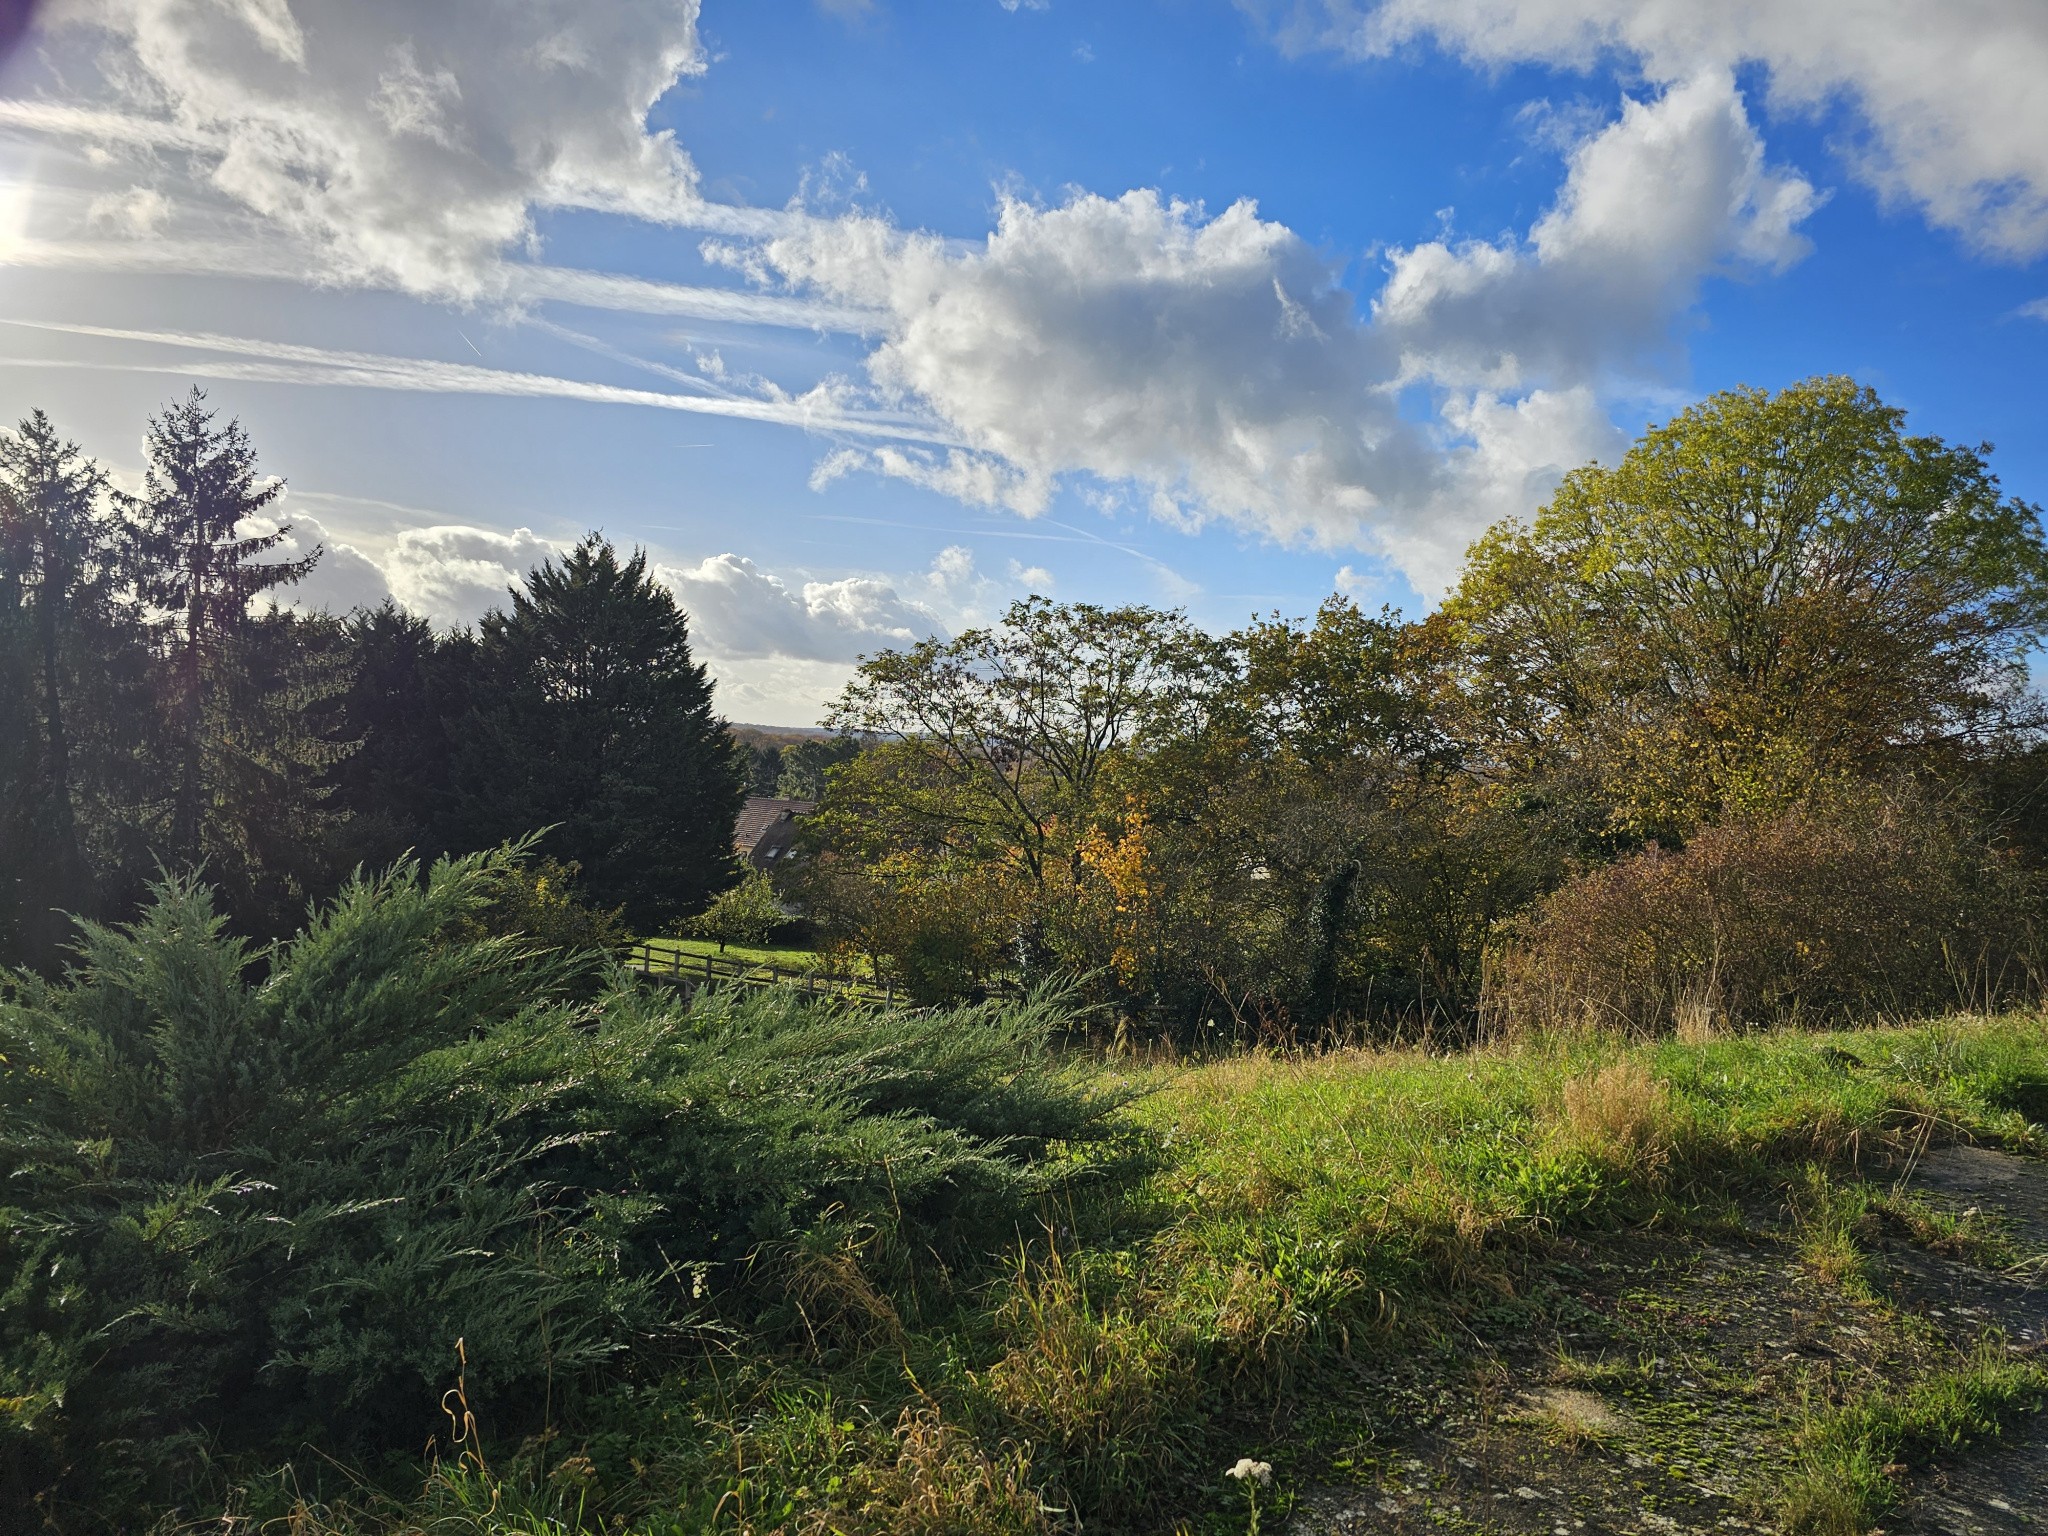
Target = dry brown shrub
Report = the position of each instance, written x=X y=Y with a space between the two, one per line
x=1876 y=904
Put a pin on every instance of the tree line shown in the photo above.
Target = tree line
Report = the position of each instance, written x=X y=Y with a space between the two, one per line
x=1741 y=727
x=1742 y=724
x=162 y=711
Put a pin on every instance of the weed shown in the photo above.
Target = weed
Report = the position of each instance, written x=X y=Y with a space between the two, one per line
x=1826 y=1217
x=1853 y=1457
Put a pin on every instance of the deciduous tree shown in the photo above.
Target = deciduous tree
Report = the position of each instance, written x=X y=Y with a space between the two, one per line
x=1768 y=591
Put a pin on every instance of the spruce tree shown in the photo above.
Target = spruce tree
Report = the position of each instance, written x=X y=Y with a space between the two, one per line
x=79 y=719
x=198 y=566
x=243 y=694
x=407 y=695
x=592 y=718
x=56 y=542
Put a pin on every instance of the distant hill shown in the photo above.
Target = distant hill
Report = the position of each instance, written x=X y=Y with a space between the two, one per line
x=776 y=735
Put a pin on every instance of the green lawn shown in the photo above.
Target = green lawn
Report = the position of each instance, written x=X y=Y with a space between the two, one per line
x=788 y=959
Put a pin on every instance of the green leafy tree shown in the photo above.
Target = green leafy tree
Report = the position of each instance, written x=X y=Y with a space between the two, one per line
x=806 y=766
x=746 y=913
x=1769 y=592
x=592 y=719
x=1004 y=735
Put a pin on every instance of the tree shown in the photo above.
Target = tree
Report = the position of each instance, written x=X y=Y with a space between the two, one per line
x=1003 y=734
x=591 y=718
x=805 y=766
x=198 y=563
x=57 y=549
x=746 y=913
x=1769 y=592
x=408 y=692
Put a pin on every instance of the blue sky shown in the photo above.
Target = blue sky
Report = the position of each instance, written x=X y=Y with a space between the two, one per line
x=866 y=318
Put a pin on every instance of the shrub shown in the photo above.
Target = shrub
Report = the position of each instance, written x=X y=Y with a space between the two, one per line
x=746 y=913
x=542 y=900
x=254 y=1199
x=1878 y=904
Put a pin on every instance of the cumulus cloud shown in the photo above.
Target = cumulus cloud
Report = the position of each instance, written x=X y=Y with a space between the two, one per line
x=1216 y=367
x=741 y=612
x=401 y=143
x=454 y=574
x=1949 y=94
x=1214 y=361
x=344 y=579
x=1675 y=190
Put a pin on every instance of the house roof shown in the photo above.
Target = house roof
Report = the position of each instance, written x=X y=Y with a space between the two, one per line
x=767 y=827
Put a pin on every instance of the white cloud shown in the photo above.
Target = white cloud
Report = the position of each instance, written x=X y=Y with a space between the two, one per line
x=741 y=612
x=978 y=479
x=393 y=142
x=1215 y=362
x=1214 y=367
x=1504 y=459
x=136 y=213
x=1671 y=193
x=1032 y=578
x=454 y=574
x=345 y=577
x=1949 y=93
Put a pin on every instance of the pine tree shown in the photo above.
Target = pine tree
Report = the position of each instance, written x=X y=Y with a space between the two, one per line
x=592 y=718
x=55 y=538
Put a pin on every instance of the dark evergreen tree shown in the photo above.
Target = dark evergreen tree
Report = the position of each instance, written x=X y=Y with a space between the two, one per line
x=243 y=695
x=761 y=766
x=20 y=775
x=57 y=545
x=199 y=567
x=77 y=719
x=593 y=719
x=407 y=695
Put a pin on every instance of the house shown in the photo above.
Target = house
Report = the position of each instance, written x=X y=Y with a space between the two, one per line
x=766 y=832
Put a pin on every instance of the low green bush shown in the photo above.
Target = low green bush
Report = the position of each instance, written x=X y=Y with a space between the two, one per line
x=254 y=1198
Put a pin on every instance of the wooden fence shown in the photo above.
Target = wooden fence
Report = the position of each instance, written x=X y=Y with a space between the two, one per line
x=693 y=971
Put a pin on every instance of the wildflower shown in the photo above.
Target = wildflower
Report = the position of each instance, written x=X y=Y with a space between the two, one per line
x=1260 y=1472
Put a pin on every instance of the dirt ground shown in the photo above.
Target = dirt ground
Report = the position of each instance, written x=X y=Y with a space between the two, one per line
x=1658 y=1387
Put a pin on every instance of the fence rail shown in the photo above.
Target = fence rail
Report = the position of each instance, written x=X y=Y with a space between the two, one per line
x=693 y=971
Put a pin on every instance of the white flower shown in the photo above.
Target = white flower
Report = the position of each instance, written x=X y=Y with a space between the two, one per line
x=1260 y=1472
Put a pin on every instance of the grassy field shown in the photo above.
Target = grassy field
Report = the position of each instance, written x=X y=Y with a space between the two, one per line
x=1664 y=1286
x=783 y=958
